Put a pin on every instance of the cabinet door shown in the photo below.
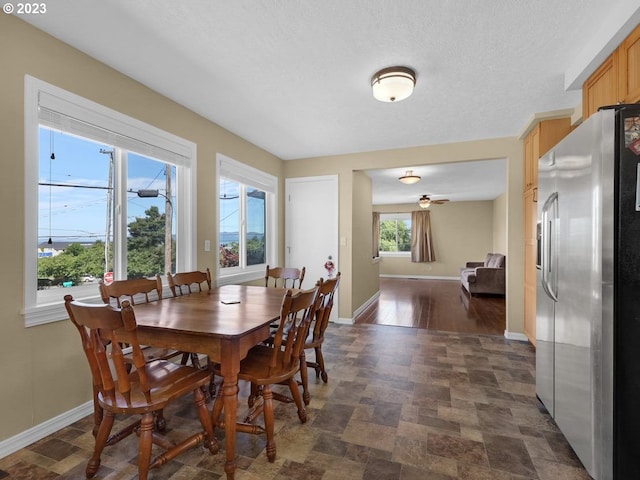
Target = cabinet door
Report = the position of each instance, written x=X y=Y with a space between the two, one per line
x=535 y=154
x=530 y=273
x=601 y=88
x=528 y=160
x=531 y=155
x=629 y=58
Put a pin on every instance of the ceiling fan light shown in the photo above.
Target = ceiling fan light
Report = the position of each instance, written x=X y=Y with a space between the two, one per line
x=424 y=202
x=393 y=84
x=409 y=178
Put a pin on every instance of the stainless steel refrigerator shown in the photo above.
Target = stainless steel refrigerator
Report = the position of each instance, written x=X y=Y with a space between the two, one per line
x=588 y=294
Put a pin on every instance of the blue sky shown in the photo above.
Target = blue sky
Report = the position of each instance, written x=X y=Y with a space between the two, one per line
x=80 y=214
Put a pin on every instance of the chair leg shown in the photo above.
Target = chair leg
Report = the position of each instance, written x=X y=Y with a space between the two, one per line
x=269 y=422
x=146 y=442
x=304 y=377
x=97 y=412
x=161 y=423
x=101 y=440
x=195 y=361
x=320 y=368
x=216 y=411
x=205 y=419
x=297 y=398
x=255 y=392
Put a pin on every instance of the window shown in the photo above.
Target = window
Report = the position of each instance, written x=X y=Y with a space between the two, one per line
x=247 y=224
x=395 y=233
x=114 y=199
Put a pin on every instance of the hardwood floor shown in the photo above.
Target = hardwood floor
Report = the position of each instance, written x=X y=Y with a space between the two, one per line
x=435 y=305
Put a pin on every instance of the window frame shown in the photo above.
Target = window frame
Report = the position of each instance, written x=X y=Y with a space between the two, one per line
x=248 y=176
x=398 y=216
x=112 y=126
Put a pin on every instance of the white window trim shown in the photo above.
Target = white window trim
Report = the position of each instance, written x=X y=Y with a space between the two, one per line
x=242 y=173
x=101 y=117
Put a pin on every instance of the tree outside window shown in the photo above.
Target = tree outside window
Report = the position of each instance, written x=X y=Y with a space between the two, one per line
x=395 y=233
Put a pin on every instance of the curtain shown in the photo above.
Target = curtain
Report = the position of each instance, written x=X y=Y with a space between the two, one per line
x=376 y=234
x=421 y=241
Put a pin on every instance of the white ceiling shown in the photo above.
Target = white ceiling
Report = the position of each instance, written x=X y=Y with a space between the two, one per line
x=293 y=77
x=461 y=181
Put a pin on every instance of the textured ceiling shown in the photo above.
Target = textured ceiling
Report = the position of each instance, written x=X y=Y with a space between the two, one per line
x=293 y=77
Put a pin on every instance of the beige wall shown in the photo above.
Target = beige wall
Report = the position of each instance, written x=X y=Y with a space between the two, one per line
x=500 y=224
x=366 y=274
x=43 y=370
x=462 y=232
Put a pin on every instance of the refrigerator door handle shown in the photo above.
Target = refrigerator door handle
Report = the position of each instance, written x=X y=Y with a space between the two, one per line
x=547 y=254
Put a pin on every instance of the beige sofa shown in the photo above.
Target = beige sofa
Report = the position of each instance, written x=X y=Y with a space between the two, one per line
x=485 y=277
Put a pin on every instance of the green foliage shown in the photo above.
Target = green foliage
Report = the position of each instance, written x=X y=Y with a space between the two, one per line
x=145 y=254
x=395 y=236
x=255 y=251
x=146 y=232
x=75 y=262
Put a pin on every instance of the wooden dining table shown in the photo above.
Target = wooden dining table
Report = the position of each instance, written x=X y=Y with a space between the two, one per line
x=223 y=323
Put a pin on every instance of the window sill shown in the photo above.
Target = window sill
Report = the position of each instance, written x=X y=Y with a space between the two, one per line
x=237 y=278
x=51 y=312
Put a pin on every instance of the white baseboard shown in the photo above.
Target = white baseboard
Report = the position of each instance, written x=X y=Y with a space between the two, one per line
x=366 y=304
x=420 y=277
x=344 y=321
x=515 y=336
x=23 y=439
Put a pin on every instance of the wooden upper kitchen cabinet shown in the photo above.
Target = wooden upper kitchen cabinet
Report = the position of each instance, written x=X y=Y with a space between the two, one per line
x=617 y=80
x=538 y=142
x=629 y=61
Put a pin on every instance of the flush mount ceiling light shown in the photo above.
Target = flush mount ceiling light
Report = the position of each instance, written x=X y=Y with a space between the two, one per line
x=393 y=84
x=409 y=178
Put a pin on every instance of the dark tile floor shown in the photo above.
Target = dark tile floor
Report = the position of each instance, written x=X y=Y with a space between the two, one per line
x=401 y=403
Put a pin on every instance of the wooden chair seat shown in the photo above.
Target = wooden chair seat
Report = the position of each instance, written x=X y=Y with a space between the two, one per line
x=167 y=382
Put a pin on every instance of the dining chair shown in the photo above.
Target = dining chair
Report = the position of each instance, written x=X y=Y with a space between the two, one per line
x=286 y=277
x=136 y=290
x=185 y=283
x=146 y=390
x=267 y=365
x=315 y=337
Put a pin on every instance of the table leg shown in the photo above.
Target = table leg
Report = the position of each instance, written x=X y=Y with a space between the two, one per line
x=230 y=367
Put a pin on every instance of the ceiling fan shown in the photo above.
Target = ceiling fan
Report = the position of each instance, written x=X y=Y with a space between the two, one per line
x=425 y=201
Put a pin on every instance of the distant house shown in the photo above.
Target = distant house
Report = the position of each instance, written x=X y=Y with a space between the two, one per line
x=46 y=249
